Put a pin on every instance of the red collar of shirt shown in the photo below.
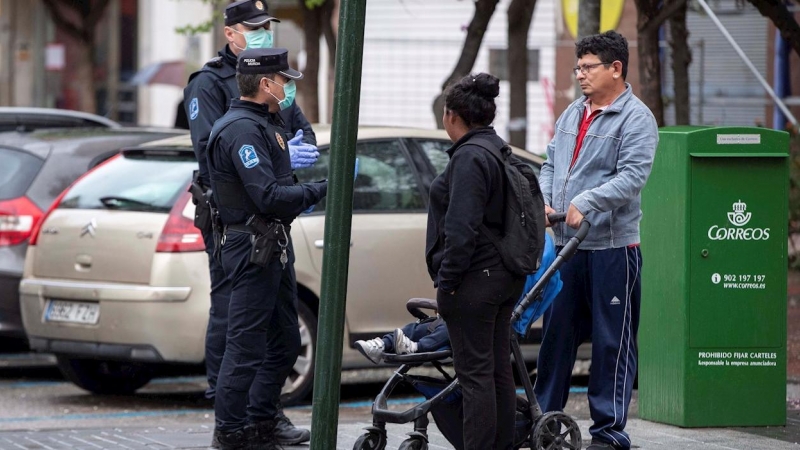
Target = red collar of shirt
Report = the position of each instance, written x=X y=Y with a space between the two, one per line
x=588 y=117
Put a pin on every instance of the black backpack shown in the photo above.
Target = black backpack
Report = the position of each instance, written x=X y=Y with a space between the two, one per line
x=522 y=242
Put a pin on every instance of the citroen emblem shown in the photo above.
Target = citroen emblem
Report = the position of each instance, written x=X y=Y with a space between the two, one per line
x=90 y=228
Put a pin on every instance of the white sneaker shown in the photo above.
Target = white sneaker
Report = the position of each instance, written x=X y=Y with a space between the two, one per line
x=402 y=344
x=372 y=349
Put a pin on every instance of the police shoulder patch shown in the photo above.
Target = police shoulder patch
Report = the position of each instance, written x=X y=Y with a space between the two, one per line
x=194 y=109
x=248 y=156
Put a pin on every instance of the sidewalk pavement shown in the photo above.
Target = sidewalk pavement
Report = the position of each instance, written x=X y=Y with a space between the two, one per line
x=645 y=435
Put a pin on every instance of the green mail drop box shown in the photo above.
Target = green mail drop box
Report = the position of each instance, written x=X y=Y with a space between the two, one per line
x=712 y=336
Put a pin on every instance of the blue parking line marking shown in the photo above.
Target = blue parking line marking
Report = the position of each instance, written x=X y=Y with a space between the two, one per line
x=29 y=384
x=122 y=415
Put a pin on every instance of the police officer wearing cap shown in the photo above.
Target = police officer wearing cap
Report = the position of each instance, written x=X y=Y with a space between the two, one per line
x=254 y=189
x=206 y=98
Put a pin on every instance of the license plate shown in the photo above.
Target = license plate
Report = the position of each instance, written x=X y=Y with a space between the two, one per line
x=72 y=312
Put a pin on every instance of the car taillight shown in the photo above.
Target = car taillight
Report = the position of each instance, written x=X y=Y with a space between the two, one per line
x=38 y=227
x=18 y=218
x=179 y=233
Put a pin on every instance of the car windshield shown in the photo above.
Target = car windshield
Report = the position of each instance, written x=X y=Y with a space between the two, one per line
x=136 y=182
x=17 y=172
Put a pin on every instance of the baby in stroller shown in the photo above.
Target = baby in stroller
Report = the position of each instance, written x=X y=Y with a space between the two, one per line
x=430 y=334
x=424 y=335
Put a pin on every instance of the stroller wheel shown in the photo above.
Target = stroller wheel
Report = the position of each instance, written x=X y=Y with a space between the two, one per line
x=556 y=430
x=413 y=444
x=370 y=441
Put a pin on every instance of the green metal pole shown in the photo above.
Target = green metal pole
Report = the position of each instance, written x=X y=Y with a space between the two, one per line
x=338 y=219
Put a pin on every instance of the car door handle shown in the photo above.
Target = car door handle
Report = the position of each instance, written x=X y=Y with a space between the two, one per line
x=319 y=243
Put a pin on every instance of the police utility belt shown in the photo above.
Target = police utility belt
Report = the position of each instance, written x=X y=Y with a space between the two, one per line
x=269 y=239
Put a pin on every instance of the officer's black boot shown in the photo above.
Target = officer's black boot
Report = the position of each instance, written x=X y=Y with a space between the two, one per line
x=286 y=432
x=215 y=439
x=238 y=440
x=262 y=436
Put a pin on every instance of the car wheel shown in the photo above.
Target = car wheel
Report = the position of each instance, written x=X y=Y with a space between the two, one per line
x=301 y=379
x=105 y=377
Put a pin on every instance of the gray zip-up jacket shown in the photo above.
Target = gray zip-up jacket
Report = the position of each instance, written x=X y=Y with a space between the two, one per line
x=606 y=181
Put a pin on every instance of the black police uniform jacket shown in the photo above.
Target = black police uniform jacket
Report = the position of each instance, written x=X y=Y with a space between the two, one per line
x=207 y=97
x=250 y=169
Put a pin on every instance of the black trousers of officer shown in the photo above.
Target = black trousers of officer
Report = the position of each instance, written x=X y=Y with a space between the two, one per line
x=261 y=316
x=217 y=316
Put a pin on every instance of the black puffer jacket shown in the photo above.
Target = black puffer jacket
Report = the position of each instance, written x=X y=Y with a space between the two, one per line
x=469 y=192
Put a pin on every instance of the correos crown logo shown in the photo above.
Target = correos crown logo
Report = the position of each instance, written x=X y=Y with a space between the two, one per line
x=738 y=218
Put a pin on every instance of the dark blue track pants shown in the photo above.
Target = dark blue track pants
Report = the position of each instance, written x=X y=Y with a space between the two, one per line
x=599 y=302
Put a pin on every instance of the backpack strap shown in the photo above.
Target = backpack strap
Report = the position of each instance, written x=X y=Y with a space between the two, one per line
x=501 y=153
x=502 y=157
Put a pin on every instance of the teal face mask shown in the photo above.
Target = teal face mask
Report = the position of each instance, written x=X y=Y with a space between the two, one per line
x=260 y=38
x=289 y=91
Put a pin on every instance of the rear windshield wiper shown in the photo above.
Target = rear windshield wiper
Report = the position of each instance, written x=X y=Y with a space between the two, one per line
x=117 y=202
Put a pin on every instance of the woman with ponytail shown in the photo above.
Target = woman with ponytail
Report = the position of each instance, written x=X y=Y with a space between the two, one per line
x=475 y=292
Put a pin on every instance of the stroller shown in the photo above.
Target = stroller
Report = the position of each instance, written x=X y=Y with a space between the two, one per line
x=533 y=429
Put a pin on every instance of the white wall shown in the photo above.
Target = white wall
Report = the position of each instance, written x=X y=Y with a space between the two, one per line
x=412 y=46
x=158 y=42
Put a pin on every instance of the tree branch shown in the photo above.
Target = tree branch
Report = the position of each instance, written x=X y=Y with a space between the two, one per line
x=477 y=28
x=65 y=25
x=665 y=13
x=95 y=14
x=784 y=20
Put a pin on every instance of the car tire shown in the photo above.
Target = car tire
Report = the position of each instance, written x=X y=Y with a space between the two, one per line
x=105 y=377
x=301 y=379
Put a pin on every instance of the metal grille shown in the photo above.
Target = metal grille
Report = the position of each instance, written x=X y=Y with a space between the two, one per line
x=722 y=90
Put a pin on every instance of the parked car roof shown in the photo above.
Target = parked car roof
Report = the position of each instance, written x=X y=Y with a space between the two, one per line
x=66 y=140
x=29 y=119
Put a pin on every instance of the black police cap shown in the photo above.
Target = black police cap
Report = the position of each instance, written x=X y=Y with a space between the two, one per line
x=252 y=13
x=266 y=60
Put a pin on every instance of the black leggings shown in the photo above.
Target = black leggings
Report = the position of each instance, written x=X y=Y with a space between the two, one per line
x=478 y=317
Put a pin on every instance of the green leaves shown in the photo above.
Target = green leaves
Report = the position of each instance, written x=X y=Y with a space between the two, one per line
x=311 y=4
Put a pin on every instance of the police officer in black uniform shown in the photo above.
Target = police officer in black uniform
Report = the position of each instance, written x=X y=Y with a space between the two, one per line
x=253 y=187
x=206 y=98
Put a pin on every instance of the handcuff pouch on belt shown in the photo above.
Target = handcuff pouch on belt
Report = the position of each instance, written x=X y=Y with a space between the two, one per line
x=269 y=239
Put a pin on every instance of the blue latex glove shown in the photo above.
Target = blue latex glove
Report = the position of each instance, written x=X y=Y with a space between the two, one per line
x=355 y=175
x=301 y=154
x=309 y=210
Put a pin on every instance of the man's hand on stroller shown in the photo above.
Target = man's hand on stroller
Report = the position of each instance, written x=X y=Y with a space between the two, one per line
x=547 y=211
x=574 y=217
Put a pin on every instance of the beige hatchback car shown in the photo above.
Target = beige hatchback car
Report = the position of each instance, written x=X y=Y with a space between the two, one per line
x=116 y=280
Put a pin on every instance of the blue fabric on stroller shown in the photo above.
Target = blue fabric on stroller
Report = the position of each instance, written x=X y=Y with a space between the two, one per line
x=553 y=287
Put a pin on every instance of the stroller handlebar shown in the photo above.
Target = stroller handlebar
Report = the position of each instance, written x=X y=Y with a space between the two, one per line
x=564 y=255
